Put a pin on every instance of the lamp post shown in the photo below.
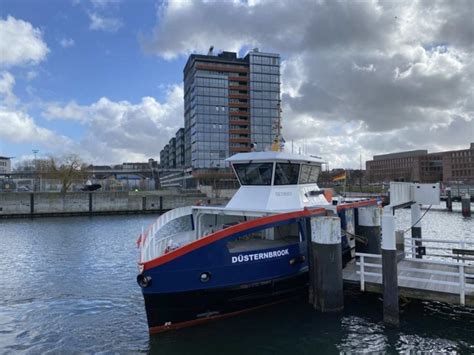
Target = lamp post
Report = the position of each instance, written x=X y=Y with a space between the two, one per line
x=35 y=151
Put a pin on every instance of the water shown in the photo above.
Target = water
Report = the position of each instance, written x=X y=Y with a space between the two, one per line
x=68 y=285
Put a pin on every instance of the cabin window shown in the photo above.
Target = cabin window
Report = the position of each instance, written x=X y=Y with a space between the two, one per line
x=286 y=174
x=254 y=173
x=309 y=174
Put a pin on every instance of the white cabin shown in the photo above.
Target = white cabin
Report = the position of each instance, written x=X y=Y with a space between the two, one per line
x=276 y=181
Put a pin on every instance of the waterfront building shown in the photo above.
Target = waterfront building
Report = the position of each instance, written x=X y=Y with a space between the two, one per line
x=5 y=165
x=458 y=165
x=172 y=153
x=230 y=103
x=180 y=148
x=164 y=157
x=421 y=166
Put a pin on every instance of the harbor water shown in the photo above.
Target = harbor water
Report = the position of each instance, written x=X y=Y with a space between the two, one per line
x=68 y=285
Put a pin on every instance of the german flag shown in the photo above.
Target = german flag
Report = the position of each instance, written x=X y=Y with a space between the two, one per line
x=339 y=177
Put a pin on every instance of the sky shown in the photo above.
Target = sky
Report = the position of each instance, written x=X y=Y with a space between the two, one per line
x=103 y=78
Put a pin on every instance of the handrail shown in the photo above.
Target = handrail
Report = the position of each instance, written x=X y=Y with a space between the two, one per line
x=147 y=242
x=460 y=274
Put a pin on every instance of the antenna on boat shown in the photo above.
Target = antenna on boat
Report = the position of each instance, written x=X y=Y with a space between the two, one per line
x=278 y=142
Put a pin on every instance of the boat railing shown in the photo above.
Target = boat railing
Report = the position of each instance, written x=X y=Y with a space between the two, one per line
x=150 y=245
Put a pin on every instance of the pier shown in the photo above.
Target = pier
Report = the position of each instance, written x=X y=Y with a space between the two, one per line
x=432 y=280
x=389 y=263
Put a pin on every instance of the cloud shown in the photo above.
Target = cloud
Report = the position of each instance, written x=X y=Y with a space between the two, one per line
x=17 y=126
x=66 y=42
x=7 y=81
x=102 y=23
x=104 y=3
x=123 y=130
x=20 y=43
x=357 y=77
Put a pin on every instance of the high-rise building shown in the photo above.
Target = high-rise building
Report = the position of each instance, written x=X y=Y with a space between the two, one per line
x=229 y=103
x=180 y=148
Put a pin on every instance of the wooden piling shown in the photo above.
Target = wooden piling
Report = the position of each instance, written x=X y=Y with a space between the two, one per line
x=449 y=201
x=368 y=226
x=389 y=270
x=466 y=205
x=326 y=264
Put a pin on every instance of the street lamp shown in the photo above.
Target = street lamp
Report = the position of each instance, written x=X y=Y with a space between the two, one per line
x=35 y=151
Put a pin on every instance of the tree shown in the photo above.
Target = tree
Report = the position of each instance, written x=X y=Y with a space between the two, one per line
x=67 y=169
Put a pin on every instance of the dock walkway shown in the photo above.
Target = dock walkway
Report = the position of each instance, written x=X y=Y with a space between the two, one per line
x=417 y=278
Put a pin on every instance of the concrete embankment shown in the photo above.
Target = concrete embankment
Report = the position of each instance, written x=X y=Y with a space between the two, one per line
x=20 y=204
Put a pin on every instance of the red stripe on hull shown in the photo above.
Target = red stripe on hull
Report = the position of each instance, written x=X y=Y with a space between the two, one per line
x=164 y=328
x=243 y=226
x=365 y=203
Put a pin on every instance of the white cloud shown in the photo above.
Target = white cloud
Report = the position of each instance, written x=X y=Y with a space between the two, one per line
x=17 y=126
x=358 y=77
x=7 y=81
x=104 y=3
x=20 y=43
x=123 y=130
x=66 y=42
x=103 y=23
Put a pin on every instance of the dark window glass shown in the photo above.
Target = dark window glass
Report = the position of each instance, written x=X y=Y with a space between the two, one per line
x=255 y=173
x=286 y=174
x=309 y=174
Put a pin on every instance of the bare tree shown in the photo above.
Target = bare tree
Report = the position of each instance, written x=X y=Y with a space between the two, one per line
x=67 y=169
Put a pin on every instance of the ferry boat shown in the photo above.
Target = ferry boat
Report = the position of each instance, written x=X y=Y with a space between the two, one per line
x=200 y=263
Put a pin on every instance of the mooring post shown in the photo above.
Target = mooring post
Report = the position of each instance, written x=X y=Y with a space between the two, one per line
x=416 y=228
x=326 y=264
x=449 y=201
x=389 y=269
x=466 y=205
x=368 y=226
x=400 y=242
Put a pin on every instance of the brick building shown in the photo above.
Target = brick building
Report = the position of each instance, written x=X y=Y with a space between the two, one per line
x=421 y=166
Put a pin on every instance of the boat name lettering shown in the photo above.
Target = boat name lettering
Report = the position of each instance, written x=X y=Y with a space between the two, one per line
x=259 y=256
x=283 y=193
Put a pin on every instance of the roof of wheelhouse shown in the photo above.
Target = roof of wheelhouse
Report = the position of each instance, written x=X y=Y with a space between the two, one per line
x=273 y=156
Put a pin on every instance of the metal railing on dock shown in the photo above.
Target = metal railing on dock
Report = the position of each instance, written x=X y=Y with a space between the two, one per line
x=440 y=276
x=436 y=249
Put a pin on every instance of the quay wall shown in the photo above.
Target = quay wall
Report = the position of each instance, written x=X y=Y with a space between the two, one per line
x=25 y=204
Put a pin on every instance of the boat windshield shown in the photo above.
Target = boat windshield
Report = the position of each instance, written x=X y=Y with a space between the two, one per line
x=309 y=174
x=254 y=173
x=286 y=173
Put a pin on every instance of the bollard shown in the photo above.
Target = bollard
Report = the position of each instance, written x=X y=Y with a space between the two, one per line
x=389 y=269
x=326 y=264
x=449 y=201
x=416 y=229
x=368 y=226
x=466 y=205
